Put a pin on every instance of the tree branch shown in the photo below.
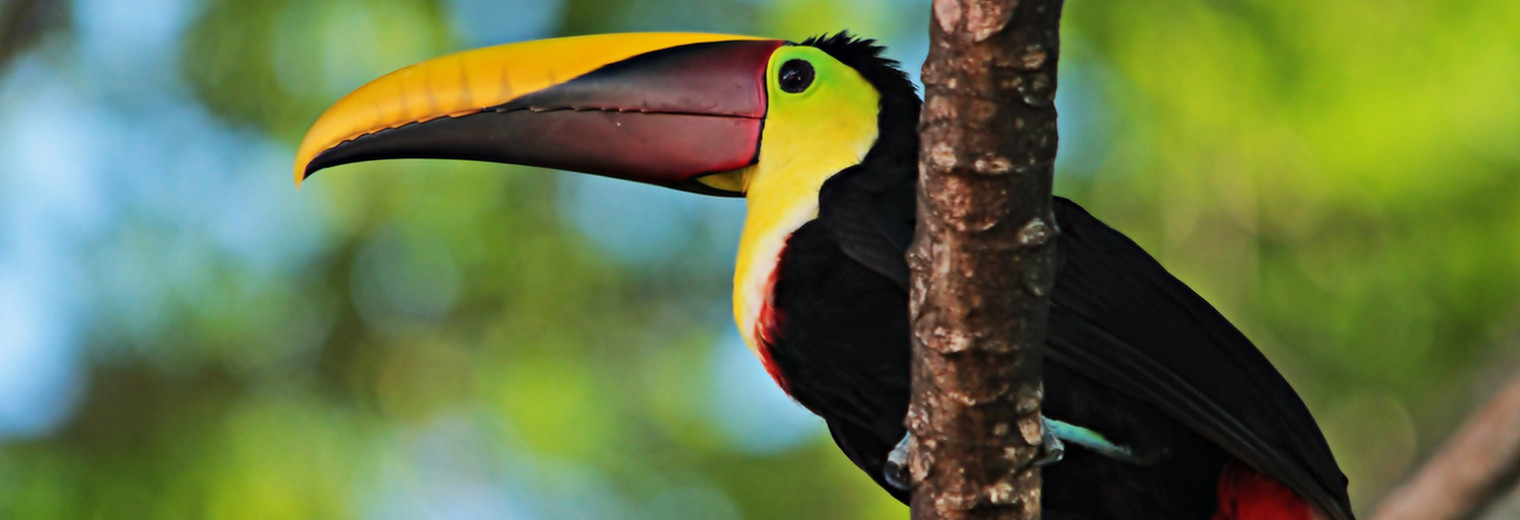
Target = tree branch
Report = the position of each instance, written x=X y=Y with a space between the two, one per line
x=983 y=259
x=1474 y=468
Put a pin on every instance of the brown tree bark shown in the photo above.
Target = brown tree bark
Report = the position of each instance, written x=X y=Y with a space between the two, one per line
x=983 y=259
x=1476 y=466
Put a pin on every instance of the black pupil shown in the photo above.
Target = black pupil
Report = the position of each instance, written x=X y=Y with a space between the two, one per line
x=796 y=75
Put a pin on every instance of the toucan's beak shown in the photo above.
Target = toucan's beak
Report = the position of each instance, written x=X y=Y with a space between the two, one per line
x=660 y=108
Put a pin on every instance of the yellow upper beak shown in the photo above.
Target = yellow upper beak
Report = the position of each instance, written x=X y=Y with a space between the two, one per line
x=468 y=82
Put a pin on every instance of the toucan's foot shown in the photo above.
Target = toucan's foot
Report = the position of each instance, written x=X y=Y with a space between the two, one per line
x=895 y=471
x=1053 y=441
x=1092 y=441
x=1052 y=450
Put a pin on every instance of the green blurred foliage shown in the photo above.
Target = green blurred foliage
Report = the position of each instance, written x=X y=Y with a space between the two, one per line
x=1340 y=178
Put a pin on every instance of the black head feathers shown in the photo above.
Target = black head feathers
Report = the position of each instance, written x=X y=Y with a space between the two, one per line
x=865 y=56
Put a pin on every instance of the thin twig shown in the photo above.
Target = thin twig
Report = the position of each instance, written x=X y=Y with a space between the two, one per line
x=1475 y=467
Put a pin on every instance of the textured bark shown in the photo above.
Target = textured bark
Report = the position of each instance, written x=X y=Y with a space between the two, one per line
x=983 y=259
x=1475 y=467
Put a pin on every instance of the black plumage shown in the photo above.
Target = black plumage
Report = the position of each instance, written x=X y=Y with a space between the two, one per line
x=1133 y=353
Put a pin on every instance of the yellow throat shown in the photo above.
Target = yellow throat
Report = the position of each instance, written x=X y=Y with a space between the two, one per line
x=808 y=137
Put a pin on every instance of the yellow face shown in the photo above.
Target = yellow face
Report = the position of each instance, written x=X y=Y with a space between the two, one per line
x=821 y=118
x=820 y=114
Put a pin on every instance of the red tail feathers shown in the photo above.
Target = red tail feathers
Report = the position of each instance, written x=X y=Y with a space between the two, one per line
x=1246 y=494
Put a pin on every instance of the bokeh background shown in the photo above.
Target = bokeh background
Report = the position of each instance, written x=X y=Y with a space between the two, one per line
x=184 y=335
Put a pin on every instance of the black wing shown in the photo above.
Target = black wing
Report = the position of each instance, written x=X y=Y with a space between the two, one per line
x=1118 y=317
x=871 y=215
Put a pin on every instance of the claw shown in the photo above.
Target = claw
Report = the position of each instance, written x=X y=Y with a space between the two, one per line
x=1053 y=441
x=1052 y=450
x=895 y=471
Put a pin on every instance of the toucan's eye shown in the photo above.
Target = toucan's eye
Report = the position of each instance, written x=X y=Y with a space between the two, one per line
x=795 y=76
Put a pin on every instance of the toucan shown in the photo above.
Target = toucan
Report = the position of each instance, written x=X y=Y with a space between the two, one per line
x=1158 y=406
